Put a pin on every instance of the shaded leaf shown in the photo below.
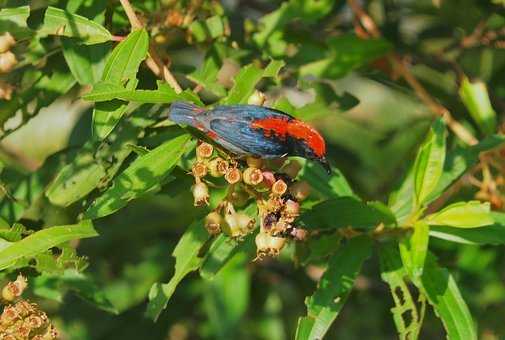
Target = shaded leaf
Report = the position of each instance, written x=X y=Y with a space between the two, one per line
x=347 y=212
x=186 y=260
x=442 y=292
x=333 y=288
x=85 y=62
x=13 y=20
x=413 y=250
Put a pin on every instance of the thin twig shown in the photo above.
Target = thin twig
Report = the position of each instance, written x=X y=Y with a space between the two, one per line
x=153 y=61
x=400 y=66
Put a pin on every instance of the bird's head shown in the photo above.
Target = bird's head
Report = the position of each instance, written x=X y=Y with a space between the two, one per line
x=308 y=143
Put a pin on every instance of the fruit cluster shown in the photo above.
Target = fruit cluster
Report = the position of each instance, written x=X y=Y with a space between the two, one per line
x=276 y=193
x=21 y=319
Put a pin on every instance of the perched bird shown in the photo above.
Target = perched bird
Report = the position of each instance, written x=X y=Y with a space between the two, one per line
x=251 y=130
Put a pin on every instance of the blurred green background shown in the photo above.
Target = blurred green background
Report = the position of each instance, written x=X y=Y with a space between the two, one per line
x=373 y=144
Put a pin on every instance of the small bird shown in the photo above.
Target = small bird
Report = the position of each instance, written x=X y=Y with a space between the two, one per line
x=251 y=130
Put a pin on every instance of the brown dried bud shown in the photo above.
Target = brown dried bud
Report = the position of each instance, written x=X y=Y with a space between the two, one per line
x=279 y=188
x=14 y=289
x=274 y=203
x=300 y=190
x=253 y=176
x=7 y=61
x=5 y=90
x=269 y=245
x=204 y=150
x=233 y=176
x=199 y=169
x=253 y=162
x=200 y=194
x=292 y=168
x=6 y=42
x=218 y=167
x=279 y=228
x=213 y=223
x=174 y=18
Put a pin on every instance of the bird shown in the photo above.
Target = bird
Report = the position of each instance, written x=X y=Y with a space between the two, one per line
x=252 y=130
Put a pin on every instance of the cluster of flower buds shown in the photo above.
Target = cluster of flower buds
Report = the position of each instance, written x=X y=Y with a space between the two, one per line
x=7 y=62
x=22 y=319
x=276 y=193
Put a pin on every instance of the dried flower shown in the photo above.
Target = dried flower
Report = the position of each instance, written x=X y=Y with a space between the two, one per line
x=14 y=289
x=6 y=90
x=268 y=245
x=233 y=176
x=204 y=150
x=213 y=223
x=279 y=188
x=253 y=176
x=218 y=167
x=199 y=169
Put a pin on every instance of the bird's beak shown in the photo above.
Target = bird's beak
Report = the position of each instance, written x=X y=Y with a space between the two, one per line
x=324 y=163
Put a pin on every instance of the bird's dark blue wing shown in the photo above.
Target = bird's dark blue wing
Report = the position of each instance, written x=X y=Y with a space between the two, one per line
x=251 y=141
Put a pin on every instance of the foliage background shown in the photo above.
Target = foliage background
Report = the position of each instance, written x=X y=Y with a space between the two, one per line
x=372 y=121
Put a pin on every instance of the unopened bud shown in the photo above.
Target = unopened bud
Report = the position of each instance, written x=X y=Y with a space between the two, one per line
x=199 y=169
x=233 y=176
x=7 y=61
x=300 y=190
x=257 y=98
x=291 y=209
x=268 y=178
x=254 y=162
x=253 y=176
x=6 y=42
x=269 y=245
x=279 y=188
x=5 y=90
x=218 y=167
x=200 y=194
x=204 y=150
x=14 y=289
x=299 y=234
x=213 y=223
x=292 y=168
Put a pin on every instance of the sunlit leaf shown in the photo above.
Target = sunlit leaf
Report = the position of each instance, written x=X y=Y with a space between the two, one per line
x=473 y=214
x=413 y=250
x=476 y=99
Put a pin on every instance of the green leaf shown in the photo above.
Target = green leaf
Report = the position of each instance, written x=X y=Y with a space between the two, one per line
x=430 y=162
x=476 y=99
x=63 y=23
x=491 y=234
x=344 y=54
x=333 y=186
x=333 y=288
x=85 y=62
x=246 y=80
x=473 y=214
x=456 y=164
x=105 y=91
x=13 y=20
x=121 y=66
x=413 y=250
x=144 y=175
x=91 y=167
x=212 y=28
x=187 y=259
x=347 y=212
x=43 y=240
x=406 y=316
x=443 y=293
